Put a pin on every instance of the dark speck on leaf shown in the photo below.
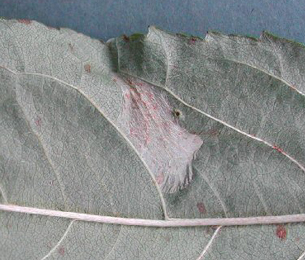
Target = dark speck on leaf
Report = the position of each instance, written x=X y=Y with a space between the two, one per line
x=71 y=46
x=177 y=113
x=192 y=40
x=125 y=38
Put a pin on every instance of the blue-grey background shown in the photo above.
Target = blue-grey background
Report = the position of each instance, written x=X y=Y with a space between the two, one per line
x=105 y=19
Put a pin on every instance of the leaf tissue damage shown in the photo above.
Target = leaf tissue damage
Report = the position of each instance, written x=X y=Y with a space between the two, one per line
x=149 y=122
x=155 y=128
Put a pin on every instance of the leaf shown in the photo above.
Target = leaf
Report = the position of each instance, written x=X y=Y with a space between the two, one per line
x=155 y=127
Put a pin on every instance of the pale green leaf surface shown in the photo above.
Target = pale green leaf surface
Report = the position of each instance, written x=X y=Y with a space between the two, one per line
x=70 y=140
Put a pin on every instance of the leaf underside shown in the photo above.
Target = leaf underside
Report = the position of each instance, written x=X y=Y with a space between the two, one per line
x=152 y=126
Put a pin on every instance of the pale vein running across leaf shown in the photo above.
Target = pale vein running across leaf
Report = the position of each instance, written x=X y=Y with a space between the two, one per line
x=57 y=175
x=301 y=256
x=60 y=241
x=209 y=244
x=260 y=220
x=3 y=194
x=272 y=75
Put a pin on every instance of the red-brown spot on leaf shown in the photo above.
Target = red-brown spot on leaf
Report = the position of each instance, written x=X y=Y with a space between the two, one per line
x=297 y=239
x=281 y=232
x=192 y=40
x=130 y=83
x=25 y=21
x=277 y=148
x=61 y=250
x=38 y=121
x=87 y=68
x=160 y=178
x=201 y=207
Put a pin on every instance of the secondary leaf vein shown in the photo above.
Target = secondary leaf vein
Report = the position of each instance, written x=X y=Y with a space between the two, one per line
x=209 y=244
x=60 y=241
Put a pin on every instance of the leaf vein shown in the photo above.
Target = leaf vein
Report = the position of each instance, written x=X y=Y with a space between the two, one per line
x=270 y=74
x=57 y=175
x=209 y=244
x=3 y=194
x=214 y=191
x=60 y=240
x=239 y=221
x=114 y=245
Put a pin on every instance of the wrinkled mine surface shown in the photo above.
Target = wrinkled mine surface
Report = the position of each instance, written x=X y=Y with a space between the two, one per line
x=152 y=126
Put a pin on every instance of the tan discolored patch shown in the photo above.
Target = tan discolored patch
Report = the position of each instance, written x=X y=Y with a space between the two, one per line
x=147 y=119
